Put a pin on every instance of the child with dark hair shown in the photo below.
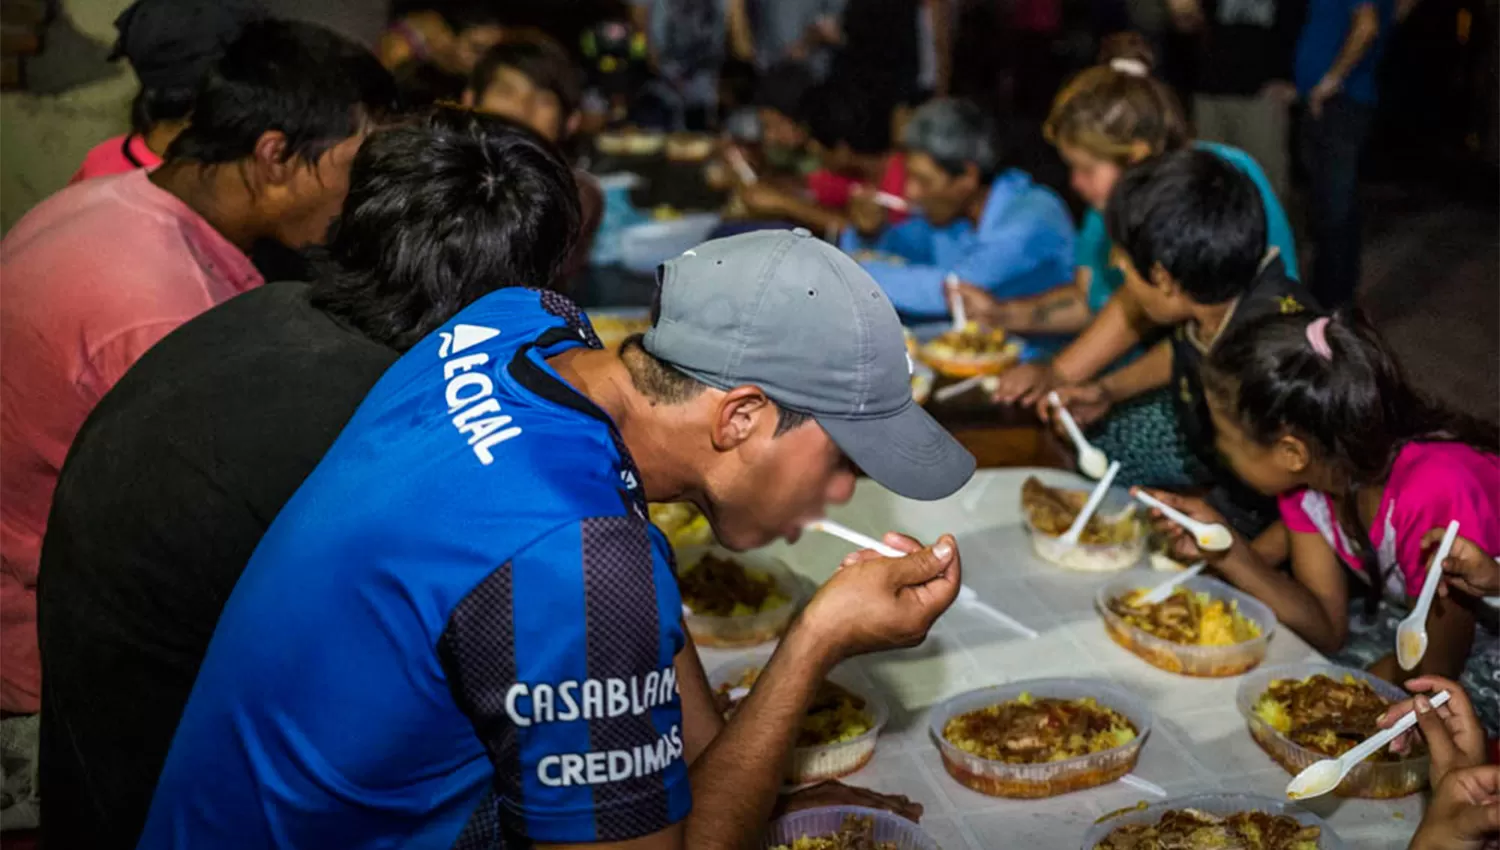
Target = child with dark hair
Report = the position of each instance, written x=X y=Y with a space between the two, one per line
x=1315 y=411
x=849 y=133
x=171 y=46
x=537 y=84
x=533 y=82
x=1189 y=232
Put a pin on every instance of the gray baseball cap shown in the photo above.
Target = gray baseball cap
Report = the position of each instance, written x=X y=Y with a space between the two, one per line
x=794 y=316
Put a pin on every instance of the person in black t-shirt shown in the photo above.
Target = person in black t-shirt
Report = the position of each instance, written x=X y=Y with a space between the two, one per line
x=1189 y=233
x=1243 y=91
x=185 y=462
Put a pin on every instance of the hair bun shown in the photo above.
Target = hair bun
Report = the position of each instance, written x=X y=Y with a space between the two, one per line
x=1133 y=67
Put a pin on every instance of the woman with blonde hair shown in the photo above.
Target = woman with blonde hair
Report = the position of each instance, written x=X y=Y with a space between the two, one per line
x=1105 y=120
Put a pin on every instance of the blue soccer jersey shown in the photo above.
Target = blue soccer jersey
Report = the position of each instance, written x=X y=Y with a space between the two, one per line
x=459 y=632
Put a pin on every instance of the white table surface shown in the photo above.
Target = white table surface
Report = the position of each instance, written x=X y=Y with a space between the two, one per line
x=1199 y=743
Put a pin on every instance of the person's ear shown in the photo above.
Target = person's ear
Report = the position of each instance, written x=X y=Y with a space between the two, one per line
x=469 y=98
x=740 y=413
x=272 y=167
x=1292 y=454
x=1163 y=280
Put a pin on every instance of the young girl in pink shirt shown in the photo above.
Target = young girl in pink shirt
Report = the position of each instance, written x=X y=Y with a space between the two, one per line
x=1315 y=410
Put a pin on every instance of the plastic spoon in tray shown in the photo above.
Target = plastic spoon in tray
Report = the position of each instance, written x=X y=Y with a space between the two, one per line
x=1162 y=591
x=1211 y=536
x=1411 y=635
x=1091 y=461
x=1070 y=537
x=1321 y=777
x=966 y=595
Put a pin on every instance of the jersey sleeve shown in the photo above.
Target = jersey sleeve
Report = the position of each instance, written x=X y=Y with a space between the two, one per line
x=562 y=659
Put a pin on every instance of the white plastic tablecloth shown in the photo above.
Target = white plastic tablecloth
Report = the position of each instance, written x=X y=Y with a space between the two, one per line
x=1199 y=743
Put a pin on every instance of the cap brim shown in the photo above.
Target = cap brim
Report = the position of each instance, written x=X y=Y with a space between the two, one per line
x=908 y=453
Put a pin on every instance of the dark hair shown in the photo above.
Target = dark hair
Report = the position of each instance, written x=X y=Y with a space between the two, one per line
x=153 y=106
x=785 y=88
x=441 y=211
x=1355 y=410
x=1198 y=216
x=956 y=134
x=662 y=382
x=305 y=81
x=846 y=111
x=462 y=15
x=544 y=62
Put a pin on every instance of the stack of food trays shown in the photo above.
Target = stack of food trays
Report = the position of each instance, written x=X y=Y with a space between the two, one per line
x=1001 y=778
x=740 y=600
x=1243 y=614
x=1309 y=833
x=845 y=714
x=840 y=827
x=1384 y=775
x=1113 y=540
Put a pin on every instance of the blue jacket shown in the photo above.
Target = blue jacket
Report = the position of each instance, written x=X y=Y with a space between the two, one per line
x=1022 y=246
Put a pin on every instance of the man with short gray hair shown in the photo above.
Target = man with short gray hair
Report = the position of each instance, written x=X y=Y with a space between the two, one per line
x=978 y=218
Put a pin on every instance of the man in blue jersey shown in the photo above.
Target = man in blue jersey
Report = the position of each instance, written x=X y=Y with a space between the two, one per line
x=462 y=631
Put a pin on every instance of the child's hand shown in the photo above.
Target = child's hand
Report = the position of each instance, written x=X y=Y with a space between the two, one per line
x=1182 y=545
x=867 y=216
x=1025 y=383
x=1464 y=812
x=1087 y=402
x=1467 y=567
x=1454 y=736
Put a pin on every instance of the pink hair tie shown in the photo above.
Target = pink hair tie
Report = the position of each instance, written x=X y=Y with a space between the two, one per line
x=1317 y=337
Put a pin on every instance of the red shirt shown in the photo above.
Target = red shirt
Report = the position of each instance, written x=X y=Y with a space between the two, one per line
x=89 y=279
x=832 y=190
x=116 y=156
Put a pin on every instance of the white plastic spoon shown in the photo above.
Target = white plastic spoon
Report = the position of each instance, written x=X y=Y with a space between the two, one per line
x=1163 y=590
x=955 y=302
x=1411 y=635
x=966 y=595
x=990 y=383
x=1324 y=776
x=1140 y=784
x=891 y=202
x=1091 y=461
x=1211 y=536
x=1070 y=537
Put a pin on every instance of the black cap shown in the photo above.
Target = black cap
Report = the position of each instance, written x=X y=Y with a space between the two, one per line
x=171 y=44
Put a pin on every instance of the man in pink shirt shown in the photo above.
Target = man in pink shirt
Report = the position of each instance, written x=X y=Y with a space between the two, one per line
x=96 y=274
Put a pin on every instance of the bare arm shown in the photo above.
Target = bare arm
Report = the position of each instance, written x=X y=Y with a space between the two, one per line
x=1363 y=31
x=1112 y=333
x=701 y=720
x=1313 y=601
x=741 y=40
x=1150 y=372
x=1274 y=545
x=942 y=42
x=1064 y=310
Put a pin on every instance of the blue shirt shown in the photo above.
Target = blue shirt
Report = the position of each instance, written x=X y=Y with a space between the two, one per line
x=1323 y=35
x=461 y=627
x=1093 y=240
x=1022 y=246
